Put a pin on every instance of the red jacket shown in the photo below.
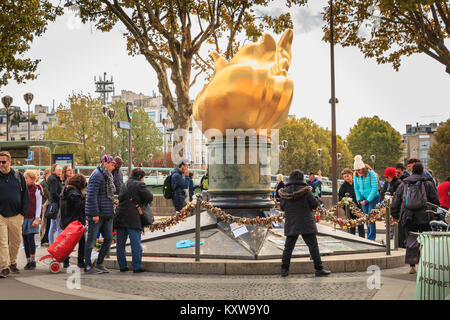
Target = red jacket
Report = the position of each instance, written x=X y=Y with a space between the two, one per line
x=443 y=193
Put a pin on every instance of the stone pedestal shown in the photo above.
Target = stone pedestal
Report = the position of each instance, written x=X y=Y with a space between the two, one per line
x=240 y=176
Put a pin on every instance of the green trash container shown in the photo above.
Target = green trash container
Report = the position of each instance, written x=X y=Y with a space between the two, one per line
x=433 y=274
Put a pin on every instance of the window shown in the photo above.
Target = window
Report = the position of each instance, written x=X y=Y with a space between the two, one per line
x=152 y=115
x=424 y=144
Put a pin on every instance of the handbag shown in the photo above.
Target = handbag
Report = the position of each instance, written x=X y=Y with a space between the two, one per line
x=146 y=214
x=52 y=210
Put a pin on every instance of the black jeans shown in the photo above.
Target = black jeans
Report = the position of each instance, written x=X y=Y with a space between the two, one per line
x=47 y=229
x=313 y=246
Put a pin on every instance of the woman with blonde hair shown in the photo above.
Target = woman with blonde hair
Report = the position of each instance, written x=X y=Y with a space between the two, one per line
x=30 y=225
x=280 y=184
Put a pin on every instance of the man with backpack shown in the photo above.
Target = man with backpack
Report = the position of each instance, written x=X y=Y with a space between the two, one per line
x=176 y=184
x=14 y=202
x=409 y=204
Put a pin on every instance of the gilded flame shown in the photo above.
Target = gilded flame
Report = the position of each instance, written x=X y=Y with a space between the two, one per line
x=252 y=91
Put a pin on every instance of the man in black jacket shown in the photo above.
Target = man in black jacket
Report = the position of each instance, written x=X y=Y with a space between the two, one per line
x=413 y=220
x=297 y=202
x=14 y=201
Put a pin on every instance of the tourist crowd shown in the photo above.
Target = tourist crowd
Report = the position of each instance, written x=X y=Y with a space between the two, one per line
x=29 y=207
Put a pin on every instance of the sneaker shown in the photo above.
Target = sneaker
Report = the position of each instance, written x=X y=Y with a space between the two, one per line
x=139 y=270
x=124 y=269
x=412 y=271
x=27 y=266
x=13 y=268
x=322 y=273
x=66 y=264
x=81 y=265
x=92 y=270
x=284 y=272
x=102 y=269
x=32 y=265
x=4 y=273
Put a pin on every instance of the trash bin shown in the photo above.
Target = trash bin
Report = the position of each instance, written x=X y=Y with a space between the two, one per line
x=433 y=274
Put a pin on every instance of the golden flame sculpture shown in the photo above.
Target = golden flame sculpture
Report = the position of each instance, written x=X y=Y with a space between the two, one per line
x=252 y=91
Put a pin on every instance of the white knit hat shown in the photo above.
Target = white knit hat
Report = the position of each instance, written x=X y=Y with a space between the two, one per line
x=358 y=164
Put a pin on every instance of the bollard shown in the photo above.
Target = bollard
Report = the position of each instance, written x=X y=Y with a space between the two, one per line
x=396 y=236
x=197 y=229
x=387 y=199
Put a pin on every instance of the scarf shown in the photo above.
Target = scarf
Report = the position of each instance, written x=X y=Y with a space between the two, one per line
x=110 y=187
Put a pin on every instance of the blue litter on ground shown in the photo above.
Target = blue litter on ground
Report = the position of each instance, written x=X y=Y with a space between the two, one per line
x=186 y=244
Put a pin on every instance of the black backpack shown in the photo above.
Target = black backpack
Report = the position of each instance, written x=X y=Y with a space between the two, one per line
x=167 y=188
x=415 y=196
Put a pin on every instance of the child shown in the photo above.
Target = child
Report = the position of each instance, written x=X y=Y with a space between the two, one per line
x=30 y=224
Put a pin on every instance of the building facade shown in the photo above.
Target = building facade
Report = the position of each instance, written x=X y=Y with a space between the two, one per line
x=195 y=150
x=417 y=141
x=41 y=118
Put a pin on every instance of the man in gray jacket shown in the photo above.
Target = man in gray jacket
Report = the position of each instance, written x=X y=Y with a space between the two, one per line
x=99 y=212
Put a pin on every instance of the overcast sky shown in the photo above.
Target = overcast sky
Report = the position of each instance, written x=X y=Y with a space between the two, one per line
x=72 y=54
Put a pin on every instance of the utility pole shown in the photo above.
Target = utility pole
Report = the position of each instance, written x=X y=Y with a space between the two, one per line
x=333 y=102
x=104 y=87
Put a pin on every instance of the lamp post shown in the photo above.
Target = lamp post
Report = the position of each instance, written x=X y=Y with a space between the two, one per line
x=150 y=158
x=7 y=101
x=319 y=153
x=129 y=109
x=333 y=102
x=111 y=114
x=284 y=145
x=28 y=99
x=105 y=114
x=164 y=122
x=339 y=157
x=372 y=157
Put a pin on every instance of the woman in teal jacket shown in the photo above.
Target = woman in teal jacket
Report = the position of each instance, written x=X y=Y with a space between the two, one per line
x=366 y=191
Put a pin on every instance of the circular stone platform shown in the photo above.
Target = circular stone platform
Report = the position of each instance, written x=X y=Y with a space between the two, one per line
x=337 y=263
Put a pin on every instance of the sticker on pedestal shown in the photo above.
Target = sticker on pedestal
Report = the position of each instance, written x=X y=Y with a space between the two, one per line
x=238 y=229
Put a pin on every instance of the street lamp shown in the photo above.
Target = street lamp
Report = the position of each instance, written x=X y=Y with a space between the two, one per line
x=129 y=110
x=319 y=153
x=284 y=145
x=105 y=114
x=333 y=102
x=372 y=157
x=28 y=99
x=339 y=157
x=150 y=158
x=7 y=101
x=111 y=114
x=164 y=122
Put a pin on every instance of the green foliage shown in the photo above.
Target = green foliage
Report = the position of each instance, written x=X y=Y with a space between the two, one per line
x=404 y=27
x=304 y=137
x=20 y=22
x=78 y=122
x=375 y=136
x=440 y=152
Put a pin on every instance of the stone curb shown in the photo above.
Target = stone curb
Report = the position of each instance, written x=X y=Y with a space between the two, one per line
x=336 y=264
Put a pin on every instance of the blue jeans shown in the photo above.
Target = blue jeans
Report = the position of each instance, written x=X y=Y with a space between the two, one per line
x=104 y=225
x=54 y=227
x=371 y=229
x=136 y=248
